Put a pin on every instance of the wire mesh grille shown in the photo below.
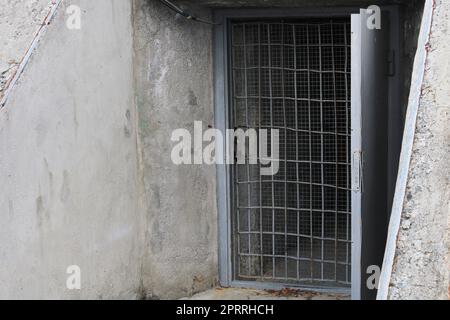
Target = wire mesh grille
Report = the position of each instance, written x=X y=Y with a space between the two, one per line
x=294 y=227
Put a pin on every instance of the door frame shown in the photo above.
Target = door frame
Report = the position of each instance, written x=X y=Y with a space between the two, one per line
x=222 y=120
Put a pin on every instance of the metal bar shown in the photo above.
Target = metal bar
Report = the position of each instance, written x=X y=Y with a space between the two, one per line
x=287 y=98
x=292 y=257
x=237 y=265
x=356 y=76
x=347 y=146
x=285 y=152
x=305 y=131
x=244 y=35
x=282 y=208
x=336 y=154
x=294 y=235
x=260 y=178
x=296 y=182
x=287 y=69
x=294 y=41
x=321 y=150
x=310 y=154
x=271 y=124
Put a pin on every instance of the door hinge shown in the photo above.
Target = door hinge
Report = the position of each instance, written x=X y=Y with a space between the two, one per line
x=391 y=63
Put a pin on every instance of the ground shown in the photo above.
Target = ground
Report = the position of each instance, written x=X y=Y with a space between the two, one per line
x=251 y=294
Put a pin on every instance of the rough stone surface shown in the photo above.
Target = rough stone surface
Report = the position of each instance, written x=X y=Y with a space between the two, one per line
x=68 y=165
x=421 y=268
x=173 y=69
x=19 y=21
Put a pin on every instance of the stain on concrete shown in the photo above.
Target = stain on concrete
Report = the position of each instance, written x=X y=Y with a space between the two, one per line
x=11 y=208
x=41 y=133
x=50 y=177
x=156 y=196
x=156 y=241
x=75 y=116
x=40 y=210
x=192 y=98
x=65 y=187
x=126 y=131
x=126 y=127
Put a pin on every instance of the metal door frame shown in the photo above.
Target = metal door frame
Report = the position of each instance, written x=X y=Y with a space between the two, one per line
x=222 y=121
x=356 y=155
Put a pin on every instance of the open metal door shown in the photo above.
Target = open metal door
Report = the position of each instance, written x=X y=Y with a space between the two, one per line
x=369 y=147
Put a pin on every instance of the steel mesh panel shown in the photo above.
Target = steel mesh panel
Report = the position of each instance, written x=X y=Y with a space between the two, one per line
x=294 y=227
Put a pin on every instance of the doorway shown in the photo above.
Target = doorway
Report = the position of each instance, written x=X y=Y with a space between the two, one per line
x=331 y=89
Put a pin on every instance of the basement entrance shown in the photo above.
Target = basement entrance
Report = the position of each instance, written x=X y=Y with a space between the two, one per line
x=332 y=86
x=294 y=227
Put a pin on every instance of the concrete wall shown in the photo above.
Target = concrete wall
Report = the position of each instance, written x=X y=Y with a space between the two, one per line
x=173 y=70
x=422 y=266
x=68 y=164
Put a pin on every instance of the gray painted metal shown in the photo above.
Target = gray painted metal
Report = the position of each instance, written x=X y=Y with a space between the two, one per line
x=356 y=155
x=376 y=107
x=374 y=91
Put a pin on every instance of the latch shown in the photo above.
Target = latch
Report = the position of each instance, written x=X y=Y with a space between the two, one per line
x=357 y=171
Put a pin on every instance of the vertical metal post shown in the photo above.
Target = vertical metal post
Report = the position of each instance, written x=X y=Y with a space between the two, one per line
x=356 y=150
x=294 y=41
x=321 y=152
x=285 y=152
x=310 y=154
x=260 y=178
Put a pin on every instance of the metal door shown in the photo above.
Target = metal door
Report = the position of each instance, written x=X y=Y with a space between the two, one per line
x=294 y=227
x=369 y=147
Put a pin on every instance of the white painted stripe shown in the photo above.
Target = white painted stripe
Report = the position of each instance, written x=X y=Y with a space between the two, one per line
x=26 y=58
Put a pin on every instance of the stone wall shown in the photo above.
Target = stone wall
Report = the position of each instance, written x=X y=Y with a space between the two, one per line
x=421 y=267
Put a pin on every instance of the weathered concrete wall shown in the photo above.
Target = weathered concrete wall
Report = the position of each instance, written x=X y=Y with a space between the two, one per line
x=19 y=21
x=422 y=266
x=68 y=165
x=173 y=70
